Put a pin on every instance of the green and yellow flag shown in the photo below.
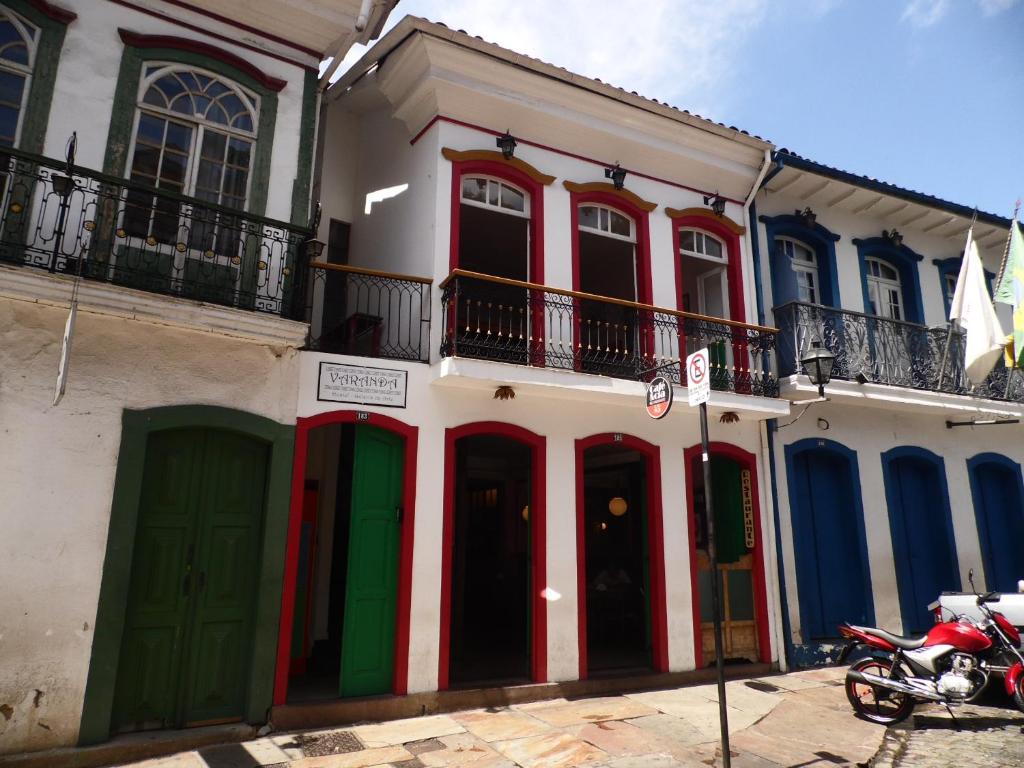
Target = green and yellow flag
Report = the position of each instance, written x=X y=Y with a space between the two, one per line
x=1010 y=289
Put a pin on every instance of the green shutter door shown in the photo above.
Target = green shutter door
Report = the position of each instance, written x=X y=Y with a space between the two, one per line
x=231 y=504
x=187 y=634
x=368 y=638
x=150 y=660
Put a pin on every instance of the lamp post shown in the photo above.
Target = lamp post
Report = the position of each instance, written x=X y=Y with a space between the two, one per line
x=817 y=362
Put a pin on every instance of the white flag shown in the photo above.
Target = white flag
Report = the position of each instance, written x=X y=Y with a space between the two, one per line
x=65 y=353
x=972 y=307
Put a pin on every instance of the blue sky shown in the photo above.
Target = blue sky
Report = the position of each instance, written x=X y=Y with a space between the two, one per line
x=927 y=94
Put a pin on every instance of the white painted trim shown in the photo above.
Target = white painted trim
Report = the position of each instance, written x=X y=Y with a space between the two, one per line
x=26 y=284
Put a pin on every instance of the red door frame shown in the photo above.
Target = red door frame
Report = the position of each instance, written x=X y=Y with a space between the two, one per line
x=748 y=461
x=655 y=545
x=535 y=189
x=538 y=554
x=403 y=607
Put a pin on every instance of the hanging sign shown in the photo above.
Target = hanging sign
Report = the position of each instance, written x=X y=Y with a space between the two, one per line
x=659 y=397
x=748 y=509
x=698 y=378
x=359 y=384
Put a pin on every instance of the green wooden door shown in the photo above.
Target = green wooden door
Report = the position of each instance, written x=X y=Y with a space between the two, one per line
x=187 y=635
x=368 y=637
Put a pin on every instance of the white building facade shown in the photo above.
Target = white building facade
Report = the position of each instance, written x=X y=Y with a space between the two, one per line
x=142 y=511
x=882 y=504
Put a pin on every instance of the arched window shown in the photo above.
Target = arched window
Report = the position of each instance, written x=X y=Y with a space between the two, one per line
x=607 y=252
x=884 y=289
x=493 y=193
x=804 y=263
x=195 y=135
x=18 y=42
x=704 y=260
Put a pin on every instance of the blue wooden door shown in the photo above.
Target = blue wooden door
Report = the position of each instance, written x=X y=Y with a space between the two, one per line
x=827 y=531
x=999 y=511
x=922 y=535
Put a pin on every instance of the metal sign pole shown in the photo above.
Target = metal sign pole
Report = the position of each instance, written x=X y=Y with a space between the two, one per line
x=716 y=586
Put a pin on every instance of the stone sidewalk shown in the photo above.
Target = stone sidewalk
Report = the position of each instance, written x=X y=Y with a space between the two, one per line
x=800 y=719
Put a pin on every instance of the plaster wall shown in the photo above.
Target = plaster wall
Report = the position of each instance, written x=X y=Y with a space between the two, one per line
x=57 y=467
x=870 y=432
x=87 y=77
x=436 y=403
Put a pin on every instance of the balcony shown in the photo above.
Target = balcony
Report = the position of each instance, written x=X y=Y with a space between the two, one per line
x=366 y=312
x=111 y=230
x=511 y=321
x=878 y=350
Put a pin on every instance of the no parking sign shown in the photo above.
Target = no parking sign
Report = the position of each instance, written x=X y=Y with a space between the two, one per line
x=698 y=380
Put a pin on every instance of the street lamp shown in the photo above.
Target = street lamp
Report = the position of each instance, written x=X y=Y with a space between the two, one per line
x=817 y=362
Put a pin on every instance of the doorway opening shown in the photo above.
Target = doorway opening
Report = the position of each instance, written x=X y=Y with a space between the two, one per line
x=704 y=270
x=999 y=512
x=491 y=586
x=346 y=610
x=740 y=566
x=616 y=540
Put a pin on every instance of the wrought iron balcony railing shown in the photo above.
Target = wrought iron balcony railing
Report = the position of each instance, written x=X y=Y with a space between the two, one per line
x=116 y=231
x=512 y=321
x=884 y=351
x=366 y=312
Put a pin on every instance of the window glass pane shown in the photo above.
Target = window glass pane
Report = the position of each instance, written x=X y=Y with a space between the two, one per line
x=172 y=170
x=213 y=145
x=145 y=162
x=620 y=225
x=474 y=189
x=8 y=125
x=492 y=192
x=151 y=130
x=239 y=152
x=603 y=212
x=12 y=46
x=712 y=247
x=512 y=199
x=686 y=240
x=242 y=122
x=11 y=88
x=216 y=115
x=588 y=216
x=179 y=137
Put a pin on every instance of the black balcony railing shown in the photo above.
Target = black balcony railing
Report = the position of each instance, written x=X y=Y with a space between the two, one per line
x=883 y=351
x=366 y=312
x=112 y=230
x=512 y=321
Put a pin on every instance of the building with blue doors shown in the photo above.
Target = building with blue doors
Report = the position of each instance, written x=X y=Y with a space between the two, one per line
x=881 y=504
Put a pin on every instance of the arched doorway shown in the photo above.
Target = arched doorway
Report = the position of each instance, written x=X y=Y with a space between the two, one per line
x=345 y=608
x=620 y=556
x=493 y=612
x=828 y=537
x=999 y=511
x=922 y=531
x=740 y=556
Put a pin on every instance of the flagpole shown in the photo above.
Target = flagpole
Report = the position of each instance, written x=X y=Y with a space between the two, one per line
x=955 y=323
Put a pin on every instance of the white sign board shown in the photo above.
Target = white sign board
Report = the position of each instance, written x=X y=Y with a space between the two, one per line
x=698 y=377
x=364 y=386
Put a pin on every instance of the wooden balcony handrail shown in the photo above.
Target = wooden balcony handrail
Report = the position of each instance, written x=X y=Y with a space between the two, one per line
x=605 y=299
x=369 y=272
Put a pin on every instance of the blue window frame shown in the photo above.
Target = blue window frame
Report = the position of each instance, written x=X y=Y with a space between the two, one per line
x=904 y=261
x=949 y=270
x=786 y=277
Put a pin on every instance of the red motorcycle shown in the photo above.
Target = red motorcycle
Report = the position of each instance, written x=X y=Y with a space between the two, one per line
x=950 y=665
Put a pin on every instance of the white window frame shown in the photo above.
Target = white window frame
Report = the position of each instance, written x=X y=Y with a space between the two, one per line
x=879 y=283
x=723 y=259
x=251 y=100
x=524 y=214
x=805 y=267
x=30 y=33
x=607 y=232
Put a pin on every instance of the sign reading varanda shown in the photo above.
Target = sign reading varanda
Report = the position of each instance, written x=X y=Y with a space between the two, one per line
x=364 y=386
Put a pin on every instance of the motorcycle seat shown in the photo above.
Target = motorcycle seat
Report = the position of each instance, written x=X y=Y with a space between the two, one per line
x=906 y=643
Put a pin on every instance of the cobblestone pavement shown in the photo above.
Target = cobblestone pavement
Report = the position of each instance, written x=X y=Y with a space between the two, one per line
x=799 y=719
x=985 y=736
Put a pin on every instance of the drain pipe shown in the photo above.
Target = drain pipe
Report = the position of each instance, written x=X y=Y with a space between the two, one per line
x=767 y=434
x=342 y=46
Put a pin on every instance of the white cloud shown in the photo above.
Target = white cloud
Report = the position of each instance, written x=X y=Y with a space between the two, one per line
x=925 y=13
x=993 y=7
x=674 y=50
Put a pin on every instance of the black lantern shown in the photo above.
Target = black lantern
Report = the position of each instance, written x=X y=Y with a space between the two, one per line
x=807 y=216
x=717 y=203
x=893 y=236
x=817 y=362
x=507 y=145
x=617 y=175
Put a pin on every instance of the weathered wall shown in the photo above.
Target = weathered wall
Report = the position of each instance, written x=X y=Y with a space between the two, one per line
x=57 y=468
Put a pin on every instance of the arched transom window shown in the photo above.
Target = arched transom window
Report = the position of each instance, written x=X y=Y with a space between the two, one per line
x=693 y=242
x=195 y=135
x=804 y=262
x=884 y=290
x=492 y=193
x=607 y=221
x=18 y=40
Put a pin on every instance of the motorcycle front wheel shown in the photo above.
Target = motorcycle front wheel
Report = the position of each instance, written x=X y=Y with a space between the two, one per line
x=879 y=705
